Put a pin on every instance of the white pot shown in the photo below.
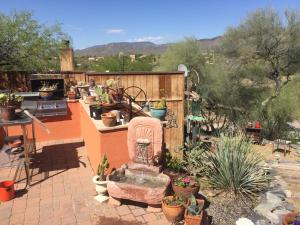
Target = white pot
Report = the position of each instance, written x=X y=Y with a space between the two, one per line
x=101 y=185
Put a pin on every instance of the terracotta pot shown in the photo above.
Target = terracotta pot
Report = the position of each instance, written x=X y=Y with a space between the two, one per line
x=289 y=218
x=71 y=95
x=109 y=119
x=172 y=212
x=8 y=113
x=90 y=99
x=185 y=192
x=194 y=220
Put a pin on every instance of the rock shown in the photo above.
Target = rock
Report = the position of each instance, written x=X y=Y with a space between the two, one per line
x=288 y=193
x=281 y=212
x=273 y=199
x=279 y=193
x=265 y=210
x=244 y=221
x=288 y=206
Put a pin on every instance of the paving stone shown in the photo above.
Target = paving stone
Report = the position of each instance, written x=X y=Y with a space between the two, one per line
x=128 y=217
x=149 y=217
x=138 y=211
x=123 y=210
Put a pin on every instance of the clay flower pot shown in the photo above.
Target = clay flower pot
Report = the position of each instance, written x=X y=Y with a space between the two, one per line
x=193 y=220
x=71 y=95
x=185 y=191
x=289 y=218
x=172 y=212
x=90 y=99
x=109 y=119
x=8 y=113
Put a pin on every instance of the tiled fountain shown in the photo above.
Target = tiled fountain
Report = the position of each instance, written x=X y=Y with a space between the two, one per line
x=141 y=180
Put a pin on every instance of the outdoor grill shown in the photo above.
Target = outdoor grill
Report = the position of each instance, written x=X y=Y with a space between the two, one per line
x=43 y=108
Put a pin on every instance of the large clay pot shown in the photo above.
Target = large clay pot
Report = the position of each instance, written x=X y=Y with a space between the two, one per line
x=172 y=212
x=185 y=192
x=8 y=113
x=289 y=218
x=109 y=119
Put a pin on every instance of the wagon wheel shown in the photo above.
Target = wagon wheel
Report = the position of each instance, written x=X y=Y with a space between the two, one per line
x=136 y=95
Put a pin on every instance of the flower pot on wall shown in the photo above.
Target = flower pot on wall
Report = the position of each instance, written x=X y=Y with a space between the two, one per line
x=8 y=113
x=158 y=113
x=109 y=119
x=172 y=212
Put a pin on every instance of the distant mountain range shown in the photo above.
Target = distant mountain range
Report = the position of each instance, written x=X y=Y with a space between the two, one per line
x=138 y=48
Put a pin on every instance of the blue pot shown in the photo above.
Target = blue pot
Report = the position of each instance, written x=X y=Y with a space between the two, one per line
x=158 y=113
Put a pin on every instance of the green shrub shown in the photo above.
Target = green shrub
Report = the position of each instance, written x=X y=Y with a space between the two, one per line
x=235 y=168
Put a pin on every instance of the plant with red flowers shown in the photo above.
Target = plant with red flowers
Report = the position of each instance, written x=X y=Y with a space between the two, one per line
x=185 y=182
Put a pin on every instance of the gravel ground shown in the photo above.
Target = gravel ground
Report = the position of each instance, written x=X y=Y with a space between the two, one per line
x=226 y=209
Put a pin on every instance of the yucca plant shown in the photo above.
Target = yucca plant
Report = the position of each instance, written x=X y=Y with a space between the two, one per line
x=236 y=168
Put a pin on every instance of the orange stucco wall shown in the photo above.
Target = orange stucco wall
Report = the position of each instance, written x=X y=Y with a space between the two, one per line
x=61 y=127
x=112 y=143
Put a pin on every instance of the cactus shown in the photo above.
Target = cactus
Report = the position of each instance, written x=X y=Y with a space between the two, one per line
x=162 y=104
x=102 y=167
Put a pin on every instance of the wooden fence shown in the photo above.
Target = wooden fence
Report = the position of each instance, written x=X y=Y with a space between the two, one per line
x=156 y=85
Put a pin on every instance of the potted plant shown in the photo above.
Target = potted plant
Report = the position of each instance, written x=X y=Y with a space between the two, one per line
x=291 y=218
x=172 y=207
x=47 y=90
x=109 y=119
x=83 y=89
x=100 y=179
x=193 y=214
x=174 y=166
x=8 y=104
x=185 y=186
x=71 y=93
x=159 y=109
x=96 y=112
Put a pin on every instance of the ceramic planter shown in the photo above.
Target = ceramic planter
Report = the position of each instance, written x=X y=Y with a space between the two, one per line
x=71 y=95
x=185 y=192
x=289 y=218
x=194 y=220
x=101 y=188
x=90 y=99
x=172 y=212
x=8 y=113
x=158 y=113
x=109 y=119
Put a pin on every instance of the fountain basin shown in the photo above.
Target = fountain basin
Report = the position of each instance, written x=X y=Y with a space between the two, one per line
x=136 y=185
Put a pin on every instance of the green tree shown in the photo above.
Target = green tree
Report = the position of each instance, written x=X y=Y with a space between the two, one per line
x=265 y=49
x=25 y=44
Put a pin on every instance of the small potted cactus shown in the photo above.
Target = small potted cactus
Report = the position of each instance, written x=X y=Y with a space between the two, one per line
x=193 y=214
x=158 y=109
x=172 y=207
x=100 y=179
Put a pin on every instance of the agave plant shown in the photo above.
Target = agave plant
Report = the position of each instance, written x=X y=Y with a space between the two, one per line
x=235 y=168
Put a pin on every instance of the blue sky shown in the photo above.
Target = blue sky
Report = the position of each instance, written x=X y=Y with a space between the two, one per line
x=93 y=22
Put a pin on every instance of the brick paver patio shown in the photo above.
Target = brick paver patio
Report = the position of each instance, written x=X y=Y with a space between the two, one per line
x=62 y=193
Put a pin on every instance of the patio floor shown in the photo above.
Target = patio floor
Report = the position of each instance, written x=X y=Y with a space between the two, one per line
x=62 y=193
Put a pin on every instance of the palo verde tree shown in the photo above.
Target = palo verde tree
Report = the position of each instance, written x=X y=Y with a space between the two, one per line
x=25 y=44
x=265 y=49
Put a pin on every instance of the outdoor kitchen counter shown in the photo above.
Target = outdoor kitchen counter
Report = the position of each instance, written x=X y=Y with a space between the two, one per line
x=99 y=124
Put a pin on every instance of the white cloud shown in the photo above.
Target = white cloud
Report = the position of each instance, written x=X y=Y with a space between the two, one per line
x=115 y=31
x=155 y=39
